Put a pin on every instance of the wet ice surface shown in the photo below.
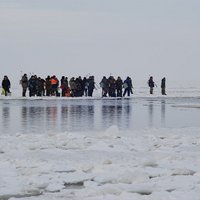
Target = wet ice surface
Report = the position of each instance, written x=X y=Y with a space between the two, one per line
x=95 y=149
x=95 y=114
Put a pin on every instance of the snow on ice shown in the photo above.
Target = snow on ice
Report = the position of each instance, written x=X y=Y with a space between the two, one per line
x=146 y=164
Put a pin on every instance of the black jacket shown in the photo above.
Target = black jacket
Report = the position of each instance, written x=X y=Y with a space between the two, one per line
x=6 y=84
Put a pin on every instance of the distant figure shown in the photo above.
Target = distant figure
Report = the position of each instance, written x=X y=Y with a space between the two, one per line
x=112 y=86
x=151 y=84
x=85 y=83
x=163 y=86
x=32 y=86
x=119 y=84
x=104 y=84
x=48 y=85
x=24 y=83
x=127 y=86
x=6 y=85
x=91 y=86
x=54 y=86
x=40 y=87
x=64 y=85
x=72 y=85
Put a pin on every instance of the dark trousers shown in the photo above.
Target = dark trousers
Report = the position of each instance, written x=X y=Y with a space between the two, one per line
x=7 y=91
x=163 y=91
x=119 y=92
x=24 y=91
x=151 y=90
x=128 y=91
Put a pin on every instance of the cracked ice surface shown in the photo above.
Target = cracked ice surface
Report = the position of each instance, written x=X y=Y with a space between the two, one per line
x=112 y=164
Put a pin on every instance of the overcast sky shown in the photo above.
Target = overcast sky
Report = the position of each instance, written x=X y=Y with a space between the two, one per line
x=101 y=37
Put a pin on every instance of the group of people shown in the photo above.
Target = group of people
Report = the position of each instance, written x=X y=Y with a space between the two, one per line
x=76 y=87
x=51 y=86
x=114 y=87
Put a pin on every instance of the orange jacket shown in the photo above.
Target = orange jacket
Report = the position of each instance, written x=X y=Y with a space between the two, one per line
x=54 y=81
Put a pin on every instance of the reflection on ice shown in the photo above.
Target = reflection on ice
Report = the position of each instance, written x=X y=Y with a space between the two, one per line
x=41 y=116
x=163 y=108
x=6 y=117
x=151 y=113
x=77 y=117
x=116 y=114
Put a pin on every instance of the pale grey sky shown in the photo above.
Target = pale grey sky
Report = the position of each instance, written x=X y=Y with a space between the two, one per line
x=101 y=37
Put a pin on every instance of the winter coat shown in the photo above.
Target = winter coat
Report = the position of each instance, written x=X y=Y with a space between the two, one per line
x=6 y=84
x=24 y=81
x=163 y=83
x=151 y=83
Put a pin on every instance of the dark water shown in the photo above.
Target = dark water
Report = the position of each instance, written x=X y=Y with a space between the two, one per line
x=60 y=115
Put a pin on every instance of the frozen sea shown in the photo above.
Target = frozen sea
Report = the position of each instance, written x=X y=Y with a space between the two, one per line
x=142 y=147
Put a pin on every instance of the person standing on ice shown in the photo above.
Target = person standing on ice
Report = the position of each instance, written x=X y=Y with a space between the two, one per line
x=163 y=85
x=112 y=86
x=85 y=83
x=104 y=84
x=32 y=86
x=151 y=84
x=24 y=83
x=127 y=86
x=6 y=85
x=63 y=86
x=54 y=86
x=91 y=86
x=119 y=84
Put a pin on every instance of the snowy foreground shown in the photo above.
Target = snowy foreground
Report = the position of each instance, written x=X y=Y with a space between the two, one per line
x=157 y=164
